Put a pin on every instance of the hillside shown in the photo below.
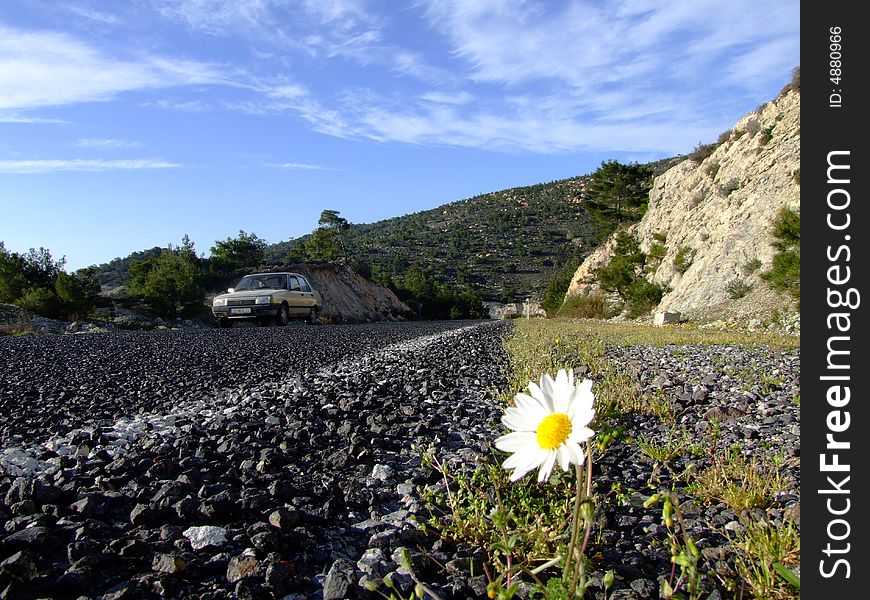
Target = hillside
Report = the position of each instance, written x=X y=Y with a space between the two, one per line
x=506 y=243
x=715 y=218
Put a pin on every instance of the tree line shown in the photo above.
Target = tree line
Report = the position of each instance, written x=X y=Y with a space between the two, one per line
x=174 y=280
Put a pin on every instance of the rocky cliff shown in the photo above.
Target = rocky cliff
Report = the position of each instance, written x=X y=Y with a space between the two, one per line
x=350 y=298
x=716 y=216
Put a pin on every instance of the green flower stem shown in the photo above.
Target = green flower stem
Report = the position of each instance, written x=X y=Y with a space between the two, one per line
x=574 y=559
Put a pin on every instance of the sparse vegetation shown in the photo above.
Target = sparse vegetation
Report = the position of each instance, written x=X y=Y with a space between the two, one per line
x=795 y=84
x=786 y=269
x=583 y=306
x=518 y=526
x=737 y=288
x=701 y=152
x=738 y=481
x=729 y=186
x=765 y=551
x=751 y=266
x=683 y=259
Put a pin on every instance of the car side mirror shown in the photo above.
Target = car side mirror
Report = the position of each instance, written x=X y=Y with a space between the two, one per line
x=231 y=290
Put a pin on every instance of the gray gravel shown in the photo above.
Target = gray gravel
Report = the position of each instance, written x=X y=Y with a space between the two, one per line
x=279 y=462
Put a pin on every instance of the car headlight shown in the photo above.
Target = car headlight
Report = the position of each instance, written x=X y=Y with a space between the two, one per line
x=263 y=300
x=219 y=302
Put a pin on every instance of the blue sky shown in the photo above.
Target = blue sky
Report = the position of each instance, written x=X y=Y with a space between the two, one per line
x=126 y=124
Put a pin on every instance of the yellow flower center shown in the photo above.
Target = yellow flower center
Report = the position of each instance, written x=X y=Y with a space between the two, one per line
x=553 y=431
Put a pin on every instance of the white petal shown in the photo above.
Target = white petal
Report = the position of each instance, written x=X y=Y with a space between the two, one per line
x=583 y=392
x=564 y=456
x=580 y=415
x=526 y=460
x=520 y=422
x=539 y=395
x=518 y=441
x=530 y=404
x=518 y=473
x=577 y=452
x=562 y=380
x=547 y=385
x=581 y=434
x=547 y=466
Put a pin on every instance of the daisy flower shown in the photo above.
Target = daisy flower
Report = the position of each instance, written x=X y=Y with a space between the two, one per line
x=548 y=425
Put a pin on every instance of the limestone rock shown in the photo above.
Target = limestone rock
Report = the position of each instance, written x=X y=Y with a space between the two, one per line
x=721 y=211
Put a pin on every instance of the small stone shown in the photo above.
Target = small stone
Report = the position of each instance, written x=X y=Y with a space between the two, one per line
x=284 y=519
x=339 y=579
x=265 y=541
x=20 y=566
x=80 y=549
x=382 y=472
x=207 y=535
x=168 y=563
x=241 y=567
x=30 y=537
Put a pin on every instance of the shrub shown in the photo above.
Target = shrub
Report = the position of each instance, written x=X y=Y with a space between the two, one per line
x=41 y=301
x=712 y=170
x=701 y=152
x=766 y=135
x=737 y=288
x=583 y=306
x=751 y=266
x=683 y=259
x=752 y=127
x=171 y=283
x=729 y=186
x=643 y=296
x=655 y=255
x=785 y=274
x=794 y=84
x=554 y=295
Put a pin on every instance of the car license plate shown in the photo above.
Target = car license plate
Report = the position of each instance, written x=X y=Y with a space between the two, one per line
x=240 y=311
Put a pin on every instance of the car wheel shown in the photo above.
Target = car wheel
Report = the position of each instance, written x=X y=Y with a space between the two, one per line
x=224 y=323
x=313 y=315
x=283 y=316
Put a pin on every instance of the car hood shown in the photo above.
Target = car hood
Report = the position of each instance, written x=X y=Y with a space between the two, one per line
x=248 y=293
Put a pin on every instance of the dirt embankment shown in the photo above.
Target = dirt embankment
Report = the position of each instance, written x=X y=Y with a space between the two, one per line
x=351 y=298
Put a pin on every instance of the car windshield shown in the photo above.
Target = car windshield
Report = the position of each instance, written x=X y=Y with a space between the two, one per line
x=259 y=282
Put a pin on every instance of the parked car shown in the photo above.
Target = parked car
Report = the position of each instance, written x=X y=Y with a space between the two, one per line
x=268 y=298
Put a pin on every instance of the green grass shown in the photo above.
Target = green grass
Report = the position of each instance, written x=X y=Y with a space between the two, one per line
x=738 y=481
x=522 y=524
x=762 y=551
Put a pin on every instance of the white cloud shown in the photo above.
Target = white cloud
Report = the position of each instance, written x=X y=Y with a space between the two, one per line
x=290 y=166
x=447 y=97
x=105 y=143
x=193 y=106
x=26 y=167
x=14 y=118
x=587 y=44
x=218 y=17
x=93 y=15
x=40 y=68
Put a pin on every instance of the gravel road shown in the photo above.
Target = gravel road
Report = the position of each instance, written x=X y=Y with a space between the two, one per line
x=280 y=462
x=271 y=448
